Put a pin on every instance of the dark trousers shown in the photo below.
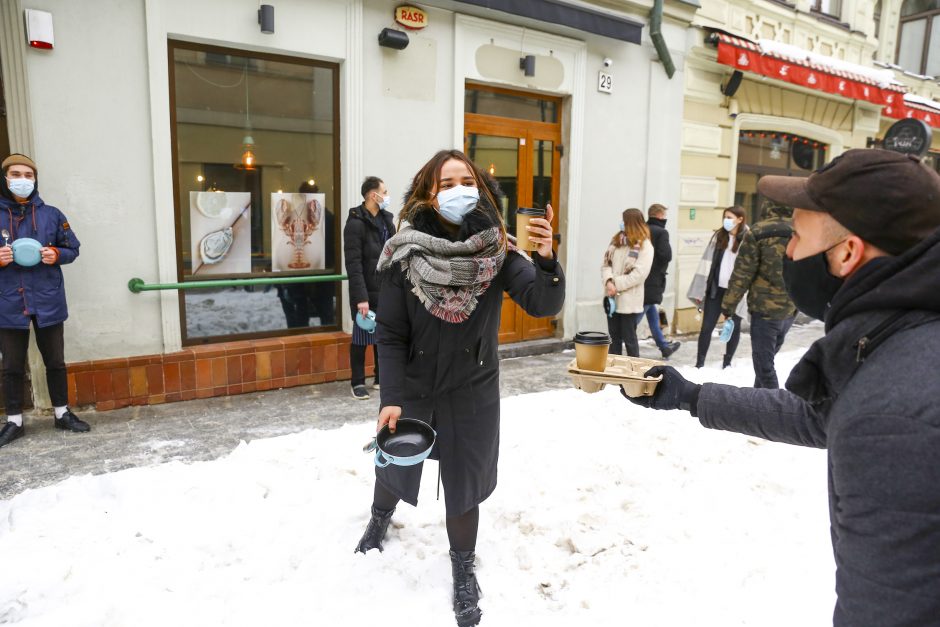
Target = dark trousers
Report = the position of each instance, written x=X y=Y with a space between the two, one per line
x=767 y=337
x=622 y=330
x=711 y=311
x=357 y=363
x=14 y=344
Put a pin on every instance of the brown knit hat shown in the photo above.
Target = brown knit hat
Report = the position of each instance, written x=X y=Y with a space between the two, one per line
x=18 y=159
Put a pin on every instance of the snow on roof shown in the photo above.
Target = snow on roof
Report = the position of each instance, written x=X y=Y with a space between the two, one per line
x=920 y=100
x=882 y=78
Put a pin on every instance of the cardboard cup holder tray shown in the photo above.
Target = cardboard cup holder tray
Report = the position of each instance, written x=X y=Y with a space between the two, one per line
x=627 y=372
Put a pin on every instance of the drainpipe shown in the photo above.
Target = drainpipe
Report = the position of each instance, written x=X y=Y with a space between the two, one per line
x=656 y=34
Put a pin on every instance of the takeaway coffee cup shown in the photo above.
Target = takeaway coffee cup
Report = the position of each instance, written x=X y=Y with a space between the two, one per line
x=523 y=215
x=590 y=350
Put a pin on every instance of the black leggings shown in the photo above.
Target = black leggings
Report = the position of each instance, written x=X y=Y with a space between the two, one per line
x=710 y=315
x=13 y=344
x=461 y=530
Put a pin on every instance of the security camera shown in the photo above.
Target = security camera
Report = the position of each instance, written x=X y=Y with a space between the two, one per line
x=608 y=62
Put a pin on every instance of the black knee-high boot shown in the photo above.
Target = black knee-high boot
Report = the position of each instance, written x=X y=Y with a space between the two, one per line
x=466 y=589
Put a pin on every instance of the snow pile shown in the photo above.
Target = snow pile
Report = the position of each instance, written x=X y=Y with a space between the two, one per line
x=606 y=514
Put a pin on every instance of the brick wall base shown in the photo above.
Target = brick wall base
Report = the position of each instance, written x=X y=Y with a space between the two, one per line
x=212 y=370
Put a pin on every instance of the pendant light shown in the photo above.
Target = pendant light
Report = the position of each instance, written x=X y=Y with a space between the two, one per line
x=248 y=156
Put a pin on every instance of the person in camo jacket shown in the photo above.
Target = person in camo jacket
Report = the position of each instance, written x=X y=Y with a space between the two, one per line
x=758 y=272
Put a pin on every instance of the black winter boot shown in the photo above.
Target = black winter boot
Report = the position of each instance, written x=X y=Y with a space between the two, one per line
x=466 y=589
x=375 y=531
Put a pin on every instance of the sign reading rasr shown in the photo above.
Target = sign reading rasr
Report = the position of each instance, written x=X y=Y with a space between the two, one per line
x=411 y=17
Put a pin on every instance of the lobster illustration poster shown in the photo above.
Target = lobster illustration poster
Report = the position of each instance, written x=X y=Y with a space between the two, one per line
x=220 y=232
x=297 y=232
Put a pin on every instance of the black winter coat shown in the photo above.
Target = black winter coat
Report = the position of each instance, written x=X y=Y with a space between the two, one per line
x=362 y=246
x=448 y=374
x=869 y=392
x=655 y=283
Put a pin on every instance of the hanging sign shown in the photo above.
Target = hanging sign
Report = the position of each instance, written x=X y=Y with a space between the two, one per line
x=411 y=17
x=909 y=136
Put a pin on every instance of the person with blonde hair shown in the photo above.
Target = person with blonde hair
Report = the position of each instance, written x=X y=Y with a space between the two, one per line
x=627 y=263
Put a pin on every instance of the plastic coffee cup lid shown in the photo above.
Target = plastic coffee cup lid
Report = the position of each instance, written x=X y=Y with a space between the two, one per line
x=530 y=211
x=591 y=337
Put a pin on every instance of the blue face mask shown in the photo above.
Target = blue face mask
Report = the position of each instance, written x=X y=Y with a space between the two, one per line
x=21 y=187
x=385 y=202
x=455 y=203
x=729 y=224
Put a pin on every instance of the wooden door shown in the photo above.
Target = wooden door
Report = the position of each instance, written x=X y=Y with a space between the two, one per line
x=523 y=157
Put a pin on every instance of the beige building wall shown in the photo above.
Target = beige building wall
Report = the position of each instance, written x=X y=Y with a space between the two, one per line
x=712 y=122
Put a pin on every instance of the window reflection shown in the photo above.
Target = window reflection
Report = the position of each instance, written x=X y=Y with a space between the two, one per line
x=256 y=154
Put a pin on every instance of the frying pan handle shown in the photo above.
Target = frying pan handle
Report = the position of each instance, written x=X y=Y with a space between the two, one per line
x=380 y=460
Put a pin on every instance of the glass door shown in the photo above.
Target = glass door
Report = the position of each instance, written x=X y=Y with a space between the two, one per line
x=521 y=155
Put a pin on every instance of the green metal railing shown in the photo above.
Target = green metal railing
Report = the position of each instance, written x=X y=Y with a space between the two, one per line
x=137 y=285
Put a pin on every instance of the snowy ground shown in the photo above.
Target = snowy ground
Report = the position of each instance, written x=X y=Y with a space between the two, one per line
x=606 y=515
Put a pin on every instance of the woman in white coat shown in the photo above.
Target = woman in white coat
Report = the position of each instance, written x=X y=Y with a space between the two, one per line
x=627 y=263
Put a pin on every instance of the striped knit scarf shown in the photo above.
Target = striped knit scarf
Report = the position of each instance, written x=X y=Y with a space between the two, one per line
x=448 y=277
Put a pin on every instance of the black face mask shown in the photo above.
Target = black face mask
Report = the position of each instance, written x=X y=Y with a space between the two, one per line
x=810 y=285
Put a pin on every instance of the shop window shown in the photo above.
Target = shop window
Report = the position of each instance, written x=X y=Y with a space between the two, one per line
x=828 y=7
x=762 y=153
x=919 y=37
x=256 y=177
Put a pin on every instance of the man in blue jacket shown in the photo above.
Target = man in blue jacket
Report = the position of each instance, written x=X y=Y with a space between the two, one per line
x=32 y=292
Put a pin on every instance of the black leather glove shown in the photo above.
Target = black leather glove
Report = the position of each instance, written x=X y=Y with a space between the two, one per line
x=673 y=392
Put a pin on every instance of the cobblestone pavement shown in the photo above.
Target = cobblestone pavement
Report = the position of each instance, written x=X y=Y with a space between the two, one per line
x=210 y=428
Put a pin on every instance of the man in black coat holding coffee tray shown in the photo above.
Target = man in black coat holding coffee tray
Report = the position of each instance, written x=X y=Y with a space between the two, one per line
x=438 y=332
x=864 y=258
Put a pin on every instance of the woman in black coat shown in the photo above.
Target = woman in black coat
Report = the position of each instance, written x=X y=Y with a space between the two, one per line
x=441 y=295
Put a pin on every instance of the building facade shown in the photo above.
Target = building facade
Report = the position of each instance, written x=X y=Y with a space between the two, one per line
x=776 y=87
x=186 y=145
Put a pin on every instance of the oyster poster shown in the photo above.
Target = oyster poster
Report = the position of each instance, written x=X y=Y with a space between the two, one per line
x=220 y=232
x=297 y=238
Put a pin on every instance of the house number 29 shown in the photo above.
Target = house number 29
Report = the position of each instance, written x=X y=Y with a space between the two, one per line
x=605 y=82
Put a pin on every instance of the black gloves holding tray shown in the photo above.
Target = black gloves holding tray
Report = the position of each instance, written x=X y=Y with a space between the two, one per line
x=673 y=392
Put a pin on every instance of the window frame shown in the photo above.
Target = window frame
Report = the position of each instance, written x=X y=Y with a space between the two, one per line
x=817 y=8
x=927 y=16
x=177 y=44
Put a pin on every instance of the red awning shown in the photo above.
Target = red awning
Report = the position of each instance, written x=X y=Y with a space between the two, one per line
x=746 y=55
x=914 y=109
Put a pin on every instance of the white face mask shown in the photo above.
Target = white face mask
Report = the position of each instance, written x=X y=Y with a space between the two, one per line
x=455 y=203
x=21 y=187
